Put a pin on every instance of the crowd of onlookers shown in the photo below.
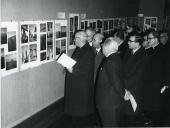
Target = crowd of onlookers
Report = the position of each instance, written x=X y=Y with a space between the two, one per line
x=119 y=80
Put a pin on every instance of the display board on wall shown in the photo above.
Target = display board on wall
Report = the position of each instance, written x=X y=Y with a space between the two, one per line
x=74 y=21
x=46 y=41
x=150 y=22
x=9 y=48
x=29 y=44
x=61 y=29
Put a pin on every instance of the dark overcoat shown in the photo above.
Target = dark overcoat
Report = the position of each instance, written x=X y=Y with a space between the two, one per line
x=155 y=75
x=135 y=66
x=109 y=89
x=79 y=85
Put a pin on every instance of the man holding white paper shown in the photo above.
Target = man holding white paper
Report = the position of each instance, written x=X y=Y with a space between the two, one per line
x=79 y=88
x=135 y=63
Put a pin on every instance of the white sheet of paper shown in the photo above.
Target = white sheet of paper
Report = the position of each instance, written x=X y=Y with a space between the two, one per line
x=66 y=61
x=133 y=102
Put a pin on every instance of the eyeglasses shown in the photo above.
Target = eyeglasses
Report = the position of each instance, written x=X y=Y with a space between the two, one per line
x=131 y=41
x=150 y=38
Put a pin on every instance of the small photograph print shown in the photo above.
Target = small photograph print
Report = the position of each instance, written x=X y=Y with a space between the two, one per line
x=94 y=25
x=63 y=42
x=147 y=21
x=2 y=58
x=43 y=27
x=43 y=42
x=11 y=61
x=24 y=54
x=58 y=47
x=71 y=38
x=99 y=24
x=11 y=41
x=33 y=52
x=71 y=24
x=76 y=21
x=24 y=33
x=49 y=33
x=49 y=29
x=63 y=31
x=110 y=24
x=86 y=25
x=32 y=32
x=58 y=30
x=49 y=52
x=3 y=35
x=82 y=25
x=43 y=56
x=91 y=25
x=63 y=46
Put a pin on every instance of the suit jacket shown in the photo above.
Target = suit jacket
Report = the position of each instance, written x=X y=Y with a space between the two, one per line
x=79 y=86
x=122 y=49
x=109 y=89
x=135 y=66
x=98 y=61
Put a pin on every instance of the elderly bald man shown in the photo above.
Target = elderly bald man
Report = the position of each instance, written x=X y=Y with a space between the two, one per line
x=79 y=86
x=90 y=33
x=110 y=91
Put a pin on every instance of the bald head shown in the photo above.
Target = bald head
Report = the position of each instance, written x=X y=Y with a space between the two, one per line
x=80 y=38
x=110 y=46
x=90 y=33
x=97 y=40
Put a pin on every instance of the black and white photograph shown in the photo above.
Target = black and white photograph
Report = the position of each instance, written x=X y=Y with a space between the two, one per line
x=85 y=63
x=4 y=35
x=43 y=56
x=49 y=52
x=49 y=33
x=43 y=27
x=2 y=58
x=24 y=54
x=58 y=47
x=24 y=33
x=12 y=41
x=63 y=31
x=63 y=46
x=58 y=30
x=11 y=61
x=43 y=40
x=33 y=52
x=32 y=32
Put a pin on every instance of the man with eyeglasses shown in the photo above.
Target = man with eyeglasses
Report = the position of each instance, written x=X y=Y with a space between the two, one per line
x=79 y=84
x=135 y=63
x=155 y=74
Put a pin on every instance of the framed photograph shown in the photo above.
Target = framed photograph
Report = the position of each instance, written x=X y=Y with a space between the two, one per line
x=43 y=40
x=32 y=32
x=33 y=52
x=150 y=22
x=43 y=27
x=12 y=46
x=3 y=58
x=24 y=54
x=58 y=47
x=63 y=46
x=24 y=33
x=4 y=35
x=9 y=48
